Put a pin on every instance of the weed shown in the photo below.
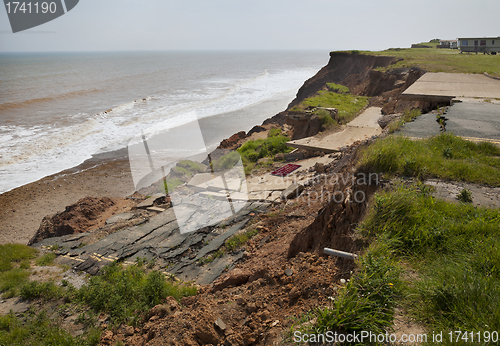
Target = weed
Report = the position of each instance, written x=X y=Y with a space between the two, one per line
x=238 y=240
x=448 y=153
x=12 y=253
x=46 y=260
x=465 y=196
x=217 y=254
x=407 y=116
x=125 y=293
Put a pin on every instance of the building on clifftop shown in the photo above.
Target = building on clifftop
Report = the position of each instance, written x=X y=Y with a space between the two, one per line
x=485 y=45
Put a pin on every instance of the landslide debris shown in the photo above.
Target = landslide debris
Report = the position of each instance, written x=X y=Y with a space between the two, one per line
x=84 y=215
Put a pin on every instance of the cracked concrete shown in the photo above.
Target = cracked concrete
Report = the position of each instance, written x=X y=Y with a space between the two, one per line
x=159 y=238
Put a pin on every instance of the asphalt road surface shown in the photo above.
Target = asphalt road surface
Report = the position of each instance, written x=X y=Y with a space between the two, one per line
x=470 y=120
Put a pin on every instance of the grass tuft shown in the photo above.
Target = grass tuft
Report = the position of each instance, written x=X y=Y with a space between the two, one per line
x=12 y=253
x=348 y=105
x=397 y=155
x=367 y=301
x=454 y=249
x=126 y=293
x=46 y=260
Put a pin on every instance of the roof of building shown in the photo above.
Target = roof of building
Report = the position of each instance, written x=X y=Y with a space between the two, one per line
x=479 y=38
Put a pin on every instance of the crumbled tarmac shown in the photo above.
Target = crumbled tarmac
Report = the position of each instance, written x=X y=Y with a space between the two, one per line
x=160 y=239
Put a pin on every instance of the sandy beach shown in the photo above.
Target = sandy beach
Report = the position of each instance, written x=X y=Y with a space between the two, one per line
x=23 y=208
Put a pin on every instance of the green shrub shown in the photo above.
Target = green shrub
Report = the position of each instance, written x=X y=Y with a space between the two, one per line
x=337 y=88
x=367 y=301
x=125 y=293
x=46 y=290
x=274 y=133
x=227 y=161
x=465 y=196
x=191 y=166
x=326 y=119
x=170 y=184
x=12 y=280
x=46 y=260
x=348 y=105
x=251 y=151
x=40 y=330
x=11 y=253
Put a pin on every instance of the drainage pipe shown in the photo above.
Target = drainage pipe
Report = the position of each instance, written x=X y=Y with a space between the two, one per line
x=339 y=253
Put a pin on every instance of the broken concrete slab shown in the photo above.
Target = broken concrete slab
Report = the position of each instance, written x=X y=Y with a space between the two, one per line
x=335 y=141
x=217 y=242
x=119 y=217
x=156 y=209
x=452 y=85
x=149 y=202
x=293 y=191
x=16 y=305
x=215 y=182
x=368 y=118
x=160 y=238
x=364 y=126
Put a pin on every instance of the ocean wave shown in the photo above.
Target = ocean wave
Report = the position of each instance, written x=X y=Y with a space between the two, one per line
x=20 y=104
x=29 y=153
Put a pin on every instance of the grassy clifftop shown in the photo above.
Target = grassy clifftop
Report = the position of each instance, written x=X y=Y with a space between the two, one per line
x=441 y=60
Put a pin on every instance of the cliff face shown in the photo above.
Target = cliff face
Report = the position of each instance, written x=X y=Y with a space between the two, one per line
x=347 y=69
x=357 y=72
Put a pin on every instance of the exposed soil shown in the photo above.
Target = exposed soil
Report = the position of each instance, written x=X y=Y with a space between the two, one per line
x=88 y=213
x=283 y=276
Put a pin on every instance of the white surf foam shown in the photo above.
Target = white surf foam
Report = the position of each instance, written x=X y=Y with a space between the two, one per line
x=31 y=153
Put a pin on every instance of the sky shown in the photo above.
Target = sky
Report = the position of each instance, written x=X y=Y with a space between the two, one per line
x=145 y=25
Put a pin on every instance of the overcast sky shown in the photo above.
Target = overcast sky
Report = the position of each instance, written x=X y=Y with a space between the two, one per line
x=109 y=25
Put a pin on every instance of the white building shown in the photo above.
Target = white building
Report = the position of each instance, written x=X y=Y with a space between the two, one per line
x=485 y=45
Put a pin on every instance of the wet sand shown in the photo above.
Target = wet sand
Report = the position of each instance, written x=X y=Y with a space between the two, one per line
x=22 y=209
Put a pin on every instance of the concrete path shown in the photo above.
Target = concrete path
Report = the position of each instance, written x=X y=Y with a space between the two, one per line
x=363 y=127
x=453 y=85
x=472 y=121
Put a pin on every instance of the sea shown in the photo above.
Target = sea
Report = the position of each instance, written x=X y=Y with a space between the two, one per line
x=59 y=109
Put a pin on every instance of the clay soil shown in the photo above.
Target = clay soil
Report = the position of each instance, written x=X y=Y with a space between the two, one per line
x=266 y=294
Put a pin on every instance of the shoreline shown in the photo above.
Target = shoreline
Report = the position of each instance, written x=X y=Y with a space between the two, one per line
x=103 y=175
x=23 y=208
